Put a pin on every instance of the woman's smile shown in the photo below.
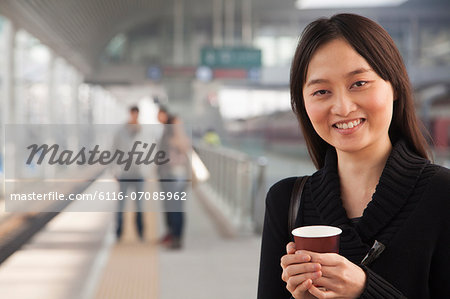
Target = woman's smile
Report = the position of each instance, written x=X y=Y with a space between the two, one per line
x=347 y=127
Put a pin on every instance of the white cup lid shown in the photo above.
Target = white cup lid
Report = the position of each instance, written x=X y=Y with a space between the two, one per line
x=316 y=231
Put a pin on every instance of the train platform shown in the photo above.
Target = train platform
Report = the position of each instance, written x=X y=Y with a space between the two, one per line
x=77 y=256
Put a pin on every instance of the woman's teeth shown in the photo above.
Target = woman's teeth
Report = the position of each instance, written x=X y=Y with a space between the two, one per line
x=348 y=125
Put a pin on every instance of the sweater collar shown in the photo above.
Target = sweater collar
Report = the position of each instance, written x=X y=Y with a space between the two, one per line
x=395 y=186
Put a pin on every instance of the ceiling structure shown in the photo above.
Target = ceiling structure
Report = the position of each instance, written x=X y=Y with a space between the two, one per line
x=79 y=30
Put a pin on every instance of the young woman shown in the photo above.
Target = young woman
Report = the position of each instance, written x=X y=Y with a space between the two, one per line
x=353 y=99
x=173 y=176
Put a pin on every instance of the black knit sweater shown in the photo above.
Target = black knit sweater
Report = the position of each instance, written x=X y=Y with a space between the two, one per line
x=408 y=213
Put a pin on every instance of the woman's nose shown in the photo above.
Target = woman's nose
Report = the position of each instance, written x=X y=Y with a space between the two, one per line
x=343 y=105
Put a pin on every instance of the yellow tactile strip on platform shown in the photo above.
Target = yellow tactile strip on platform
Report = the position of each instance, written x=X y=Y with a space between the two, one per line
x=132 y=268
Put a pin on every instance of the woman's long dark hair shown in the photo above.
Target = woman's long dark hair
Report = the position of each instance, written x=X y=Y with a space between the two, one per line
x=373 y=43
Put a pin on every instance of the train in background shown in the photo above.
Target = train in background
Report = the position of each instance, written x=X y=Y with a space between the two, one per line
x=280 y=131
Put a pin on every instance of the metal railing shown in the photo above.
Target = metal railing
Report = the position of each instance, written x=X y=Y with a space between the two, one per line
x=238 y=183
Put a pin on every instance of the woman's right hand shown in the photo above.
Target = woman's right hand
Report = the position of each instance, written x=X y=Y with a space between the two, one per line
x=299 y=272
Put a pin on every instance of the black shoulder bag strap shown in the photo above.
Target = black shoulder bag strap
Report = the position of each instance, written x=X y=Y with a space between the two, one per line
x=294 y=203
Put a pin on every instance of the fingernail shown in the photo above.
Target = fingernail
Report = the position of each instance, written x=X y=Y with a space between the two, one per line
x=298 y=252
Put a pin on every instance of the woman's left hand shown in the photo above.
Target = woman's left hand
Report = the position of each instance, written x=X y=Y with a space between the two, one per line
x=340 y=277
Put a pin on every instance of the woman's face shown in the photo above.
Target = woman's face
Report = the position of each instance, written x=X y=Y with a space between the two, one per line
x=349 y=105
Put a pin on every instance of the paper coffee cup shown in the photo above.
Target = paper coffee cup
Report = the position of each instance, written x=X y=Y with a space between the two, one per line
x=317 y=238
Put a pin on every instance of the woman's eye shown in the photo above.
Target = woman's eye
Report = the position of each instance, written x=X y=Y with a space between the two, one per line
x=320 y=92
x=359 y=83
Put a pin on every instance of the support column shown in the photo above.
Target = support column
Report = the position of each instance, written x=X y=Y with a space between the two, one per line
x=7 y=95
x=75 y=132
x=51 y=94
x=76 y=82
x=178 y=34
x=247 y=22
x=165 y=42
x=413 y=43
x=217 y=23
x=8 y=105
x=229 y=22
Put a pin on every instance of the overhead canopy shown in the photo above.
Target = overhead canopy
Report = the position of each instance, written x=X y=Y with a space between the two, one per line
x=79 y=30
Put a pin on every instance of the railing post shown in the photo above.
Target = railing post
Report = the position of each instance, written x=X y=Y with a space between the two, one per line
x=258 y=195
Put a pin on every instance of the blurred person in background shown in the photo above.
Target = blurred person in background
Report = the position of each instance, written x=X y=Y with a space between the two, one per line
x=351 y=94
x=131 y=178
x=173 y=176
